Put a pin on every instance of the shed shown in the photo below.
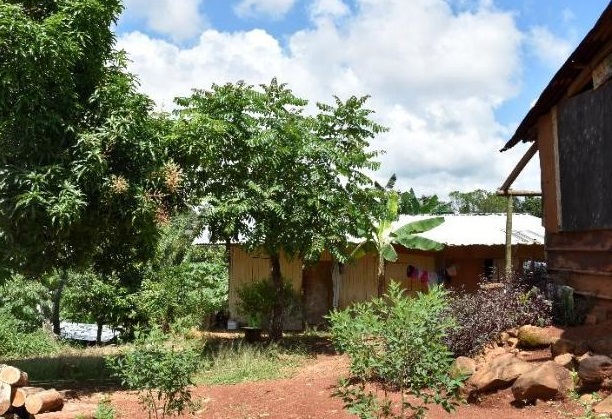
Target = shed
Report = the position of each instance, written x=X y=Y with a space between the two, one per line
x=474 y=248
x=570 y=126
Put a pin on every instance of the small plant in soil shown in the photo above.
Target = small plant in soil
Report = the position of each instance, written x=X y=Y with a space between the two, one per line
x=161 y=373
x=397 y=349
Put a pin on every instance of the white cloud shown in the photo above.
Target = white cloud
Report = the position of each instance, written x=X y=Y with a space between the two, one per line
x=179 y=19
x=548 y=48
x=435 y=77
x=274 y=9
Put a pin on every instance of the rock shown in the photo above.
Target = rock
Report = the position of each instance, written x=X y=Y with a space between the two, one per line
x=493 y=353
x=463 y=366
x=587 y=399
x=594 y=369
x=534 y=337
x=566 y=361
x=512 y=342
x=513 y=332
x=562 y=346
x=601 y=346
x=590 y=319
x=498 y=373
x=547 y=382
x=503 y=337
x=605 y=406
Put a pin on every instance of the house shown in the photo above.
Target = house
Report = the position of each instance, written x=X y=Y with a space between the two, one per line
x=570 y=126
x=474 y=248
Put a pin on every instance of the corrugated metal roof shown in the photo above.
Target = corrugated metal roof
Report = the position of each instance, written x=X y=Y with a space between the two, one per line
x=466 y=230
x=557 y=88
x=485 y=229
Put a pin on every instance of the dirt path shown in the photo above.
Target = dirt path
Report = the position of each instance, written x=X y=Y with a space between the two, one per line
x=308 y=396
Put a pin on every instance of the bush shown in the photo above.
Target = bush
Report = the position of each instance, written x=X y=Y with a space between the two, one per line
x=15 y=342
x=27 y=301
x=159 y=372
x=398 y=342
x=256 y=301
x=481 y=316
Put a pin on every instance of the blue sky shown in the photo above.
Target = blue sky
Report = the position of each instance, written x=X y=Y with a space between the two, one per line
x=450 y=78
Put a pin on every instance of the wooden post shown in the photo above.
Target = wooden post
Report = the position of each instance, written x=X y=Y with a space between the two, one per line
x=509 y=238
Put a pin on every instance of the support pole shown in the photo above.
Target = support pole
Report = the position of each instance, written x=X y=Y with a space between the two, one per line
x=509 y=238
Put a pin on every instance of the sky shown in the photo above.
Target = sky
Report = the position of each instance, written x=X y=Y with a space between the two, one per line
x=451 y=79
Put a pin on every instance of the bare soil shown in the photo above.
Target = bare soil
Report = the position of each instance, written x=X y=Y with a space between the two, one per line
x=307 y=395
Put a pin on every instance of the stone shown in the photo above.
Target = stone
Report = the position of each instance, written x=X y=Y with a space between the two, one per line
x=463 y=366
x=503 y=337
x=566 y=360
x=498 y=373
x=604 y=406
x=587 y=399
x=594 y=369
x=601 y=346
x=534 y=337
x=562 y=346
x=493 y=353
x=547 y=382
x=590 y=319
x=512 y=342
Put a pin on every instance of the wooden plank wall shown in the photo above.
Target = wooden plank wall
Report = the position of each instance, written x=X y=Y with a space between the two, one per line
x=245 y=268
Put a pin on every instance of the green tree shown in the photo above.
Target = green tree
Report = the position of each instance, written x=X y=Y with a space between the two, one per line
x=478 y=202
x=285 y=182
x=426 y=204
x=89 y=297
x=381 y=237
x=183 y=282
x=83 y=170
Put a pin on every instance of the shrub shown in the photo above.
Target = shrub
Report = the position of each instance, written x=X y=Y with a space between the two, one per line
x=159 y=372
x=397 y=342
x=481 y=316
x=15 y=342
x=256 y=301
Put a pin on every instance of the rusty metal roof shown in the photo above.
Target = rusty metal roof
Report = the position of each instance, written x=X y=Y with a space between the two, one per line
x=557 y=88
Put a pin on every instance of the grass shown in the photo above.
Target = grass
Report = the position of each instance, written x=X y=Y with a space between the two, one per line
x=226 y=359
x=232 y=361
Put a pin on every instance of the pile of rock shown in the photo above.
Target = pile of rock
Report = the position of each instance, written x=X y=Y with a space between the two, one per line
x=580 y=366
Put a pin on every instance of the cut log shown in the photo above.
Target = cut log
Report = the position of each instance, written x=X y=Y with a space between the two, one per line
x=45 y=401
x=14 y=376
x=70 y=411
x=5 y=398
x=20 y=394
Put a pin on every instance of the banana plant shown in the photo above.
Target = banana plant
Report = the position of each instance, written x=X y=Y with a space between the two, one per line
x=381 y=237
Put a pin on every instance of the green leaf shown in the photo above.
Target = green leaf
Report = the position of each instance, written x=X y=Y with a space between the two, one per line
x=419 y=243
x=418 y=226
x=388 y=252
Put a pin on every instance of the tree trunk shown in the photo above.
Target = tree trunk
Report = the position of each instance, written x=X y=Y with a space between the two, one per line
x=13 y=376
x=5 y=398
x=22 y=393
x=55 y=314
x=381 y=277
x=45 y=401
x=276 y=323
x=99 y=332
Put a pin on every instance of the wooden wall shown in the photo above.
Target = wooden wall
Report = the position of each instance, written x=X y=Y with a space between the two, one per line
x=245 y=268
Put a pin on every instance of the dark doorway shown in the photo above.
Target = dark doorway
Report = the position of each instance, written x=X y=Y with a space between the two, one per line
x=318 y=292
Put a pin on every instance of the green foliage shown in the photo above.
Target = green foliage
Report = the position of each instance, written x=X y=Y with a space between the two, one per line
x=257 y=299
x=482 y=315
x=17 y=343
x=397 y=343
x=83 y=169
x=161 y=373
x=413 y=205
x=27 y=301
x=380 y=236
x=236 y=362
x=485 y=202
x=89 y=297
x=281 y=180
x=183 y=283
x=104 y=410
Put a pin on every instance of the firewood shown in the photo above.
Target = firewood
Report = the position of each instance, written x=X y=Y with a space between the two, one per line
x=20 y=394
x=14 y=376
x=5 y=398
x=45 y=401
x=81 y=414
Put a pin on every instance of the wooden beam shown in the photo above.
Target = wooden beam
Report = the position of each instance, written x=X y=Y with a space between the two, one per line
x=509 y=239
x=512 y=192
x=519 y=167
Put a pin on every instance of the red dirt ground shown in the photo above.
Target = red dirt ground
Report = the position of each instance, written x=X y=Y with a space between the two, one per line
x=307 y=395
